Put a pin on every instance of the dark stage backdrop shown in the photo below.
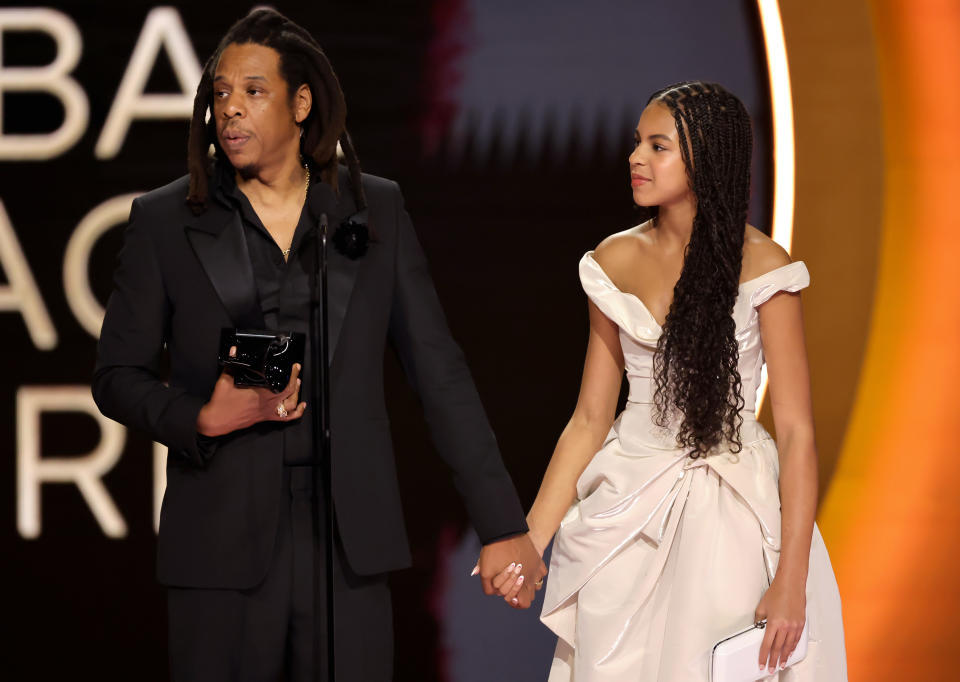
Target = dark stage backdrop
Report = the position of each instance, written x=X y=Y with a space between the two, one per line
x=507 y=125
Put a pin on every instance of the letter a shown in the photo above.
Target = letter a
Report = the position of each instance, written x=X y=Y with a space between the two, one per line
x=162 y=28
x=21 y=293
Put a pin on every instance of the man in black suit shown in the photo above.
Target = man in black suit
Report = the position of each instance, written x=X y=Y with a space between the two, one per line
x=231 y=245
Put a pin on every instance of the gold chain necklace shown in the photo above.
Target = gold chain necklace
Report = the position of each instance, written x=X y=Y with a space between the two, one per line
x=306 y=192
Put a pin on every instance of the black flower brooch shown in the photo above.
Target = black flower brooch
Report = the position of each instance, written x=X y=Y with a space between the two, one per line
x=352 y=237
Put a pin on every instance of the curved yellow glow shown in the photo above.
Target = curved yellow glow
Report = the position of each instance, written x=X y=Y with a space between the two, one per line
x=891 y=514
x=784 y=155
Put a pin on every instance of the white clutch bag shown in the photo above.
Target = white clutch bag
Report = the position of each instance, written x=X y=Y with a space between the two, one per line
x=737 y=658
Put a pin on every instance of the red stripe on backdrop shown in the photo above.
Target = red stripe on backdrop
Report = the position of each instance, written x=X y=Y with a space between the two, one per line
x=451 y=25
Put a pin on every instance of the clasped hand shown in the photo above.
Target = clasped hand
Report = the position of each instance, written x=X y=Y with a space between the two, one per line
x=513 y=569
x=231 y=409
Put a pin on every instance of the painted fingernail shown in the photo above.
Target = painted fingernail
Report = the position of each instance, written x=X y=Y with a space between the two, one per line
x=298 y=382
x=520 y=580
x=518 y=568
x=515 y=600
x=475 y=571
x=511 y=566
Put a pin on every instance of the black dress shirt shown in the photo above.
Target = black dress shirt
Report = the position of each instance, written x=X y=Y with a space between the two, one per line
x=283 y=287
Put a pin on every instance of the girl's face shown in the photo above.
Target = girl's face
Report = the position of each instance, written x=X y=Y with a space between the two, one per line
x=657 y=172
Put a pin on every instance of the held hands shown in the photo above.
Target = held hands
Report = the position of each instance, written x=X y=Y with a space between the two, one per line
x=231 y=409
x=784 y=607
x=513 y=569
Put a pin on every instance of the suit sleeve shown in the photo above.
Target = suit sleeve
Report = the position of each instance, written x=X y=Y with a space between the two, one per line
x=126 y=385
x=437 y=371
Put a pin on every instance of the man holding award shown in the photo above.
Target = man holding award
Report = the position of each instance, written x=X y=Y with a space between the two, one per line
x=224 y=258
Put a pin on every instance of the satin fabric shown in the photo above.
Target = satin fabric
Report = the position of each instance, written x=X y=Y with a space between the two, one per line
x=662 y=556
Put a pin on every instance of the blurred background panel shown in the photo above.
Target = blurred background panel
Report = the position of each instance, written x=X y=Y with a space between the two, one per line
x=508 y=126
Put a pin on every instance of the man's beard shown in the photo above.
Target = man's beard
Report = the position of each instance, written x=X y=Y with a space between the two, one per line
x=248 y=172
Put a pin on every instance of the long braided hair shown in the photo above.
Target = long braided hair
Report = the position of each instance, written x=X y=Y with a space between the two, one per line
x=695 y=366
x=301 y=61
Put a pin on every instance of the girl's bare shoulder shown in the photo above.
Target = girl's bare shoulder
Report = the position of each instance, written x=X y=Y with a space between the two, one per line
x=620 y=251
x=760 y=254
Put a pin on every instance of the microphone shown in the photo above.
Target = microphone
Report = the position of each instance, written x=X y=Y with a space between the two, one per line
x=321 y=201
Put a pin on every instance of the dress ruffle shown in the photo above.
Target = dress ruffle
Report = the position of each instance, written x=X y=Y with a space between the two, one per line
x=791 y=277
x=623 y=495
x=626 y=310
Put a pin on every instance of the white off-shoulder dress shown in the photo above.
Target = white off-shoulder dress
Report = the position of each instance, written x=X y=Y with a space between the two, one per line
x=662 y=556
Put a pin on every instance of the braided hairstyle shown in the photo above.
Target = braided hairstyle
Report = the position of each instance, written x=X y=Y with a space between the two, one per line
x=695 y=366
x=301 y=61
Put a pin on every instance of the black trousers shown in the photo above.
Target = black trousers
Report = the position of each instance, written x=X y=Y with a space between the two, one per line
x=266 y=634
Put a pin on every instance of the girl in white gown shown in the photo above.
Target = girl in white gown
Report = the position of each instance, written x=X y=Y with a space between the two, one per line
x=681 y=522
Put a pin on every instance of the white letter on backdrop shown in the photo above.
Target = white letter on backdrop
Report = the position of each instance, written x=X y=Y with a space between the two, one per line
x=52 y=78
x=76 y=260
x=21 y=293
x=85 y=471
x=162 y=28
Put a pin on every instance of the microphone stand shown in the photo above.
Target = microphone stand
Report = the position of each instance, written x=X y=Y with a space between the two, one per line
x=319 y=329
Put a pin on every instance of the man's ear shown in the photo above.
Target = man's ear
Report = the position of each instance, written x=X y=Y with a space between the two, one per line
x=302 y=103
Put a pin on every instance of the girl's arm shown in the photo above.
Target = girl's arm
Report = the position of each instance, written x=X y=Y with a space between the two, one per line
x=584 y=433
x=781 y=329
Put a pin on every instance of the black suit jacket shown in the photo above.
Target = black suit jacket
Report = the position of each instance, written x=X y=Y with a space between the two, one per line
x=180 y=279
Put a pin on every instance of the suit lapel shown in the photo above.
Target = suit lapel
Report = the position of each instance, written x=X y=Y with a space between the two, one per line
x=218 y=239
x=341 y=276
x=341 y=271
